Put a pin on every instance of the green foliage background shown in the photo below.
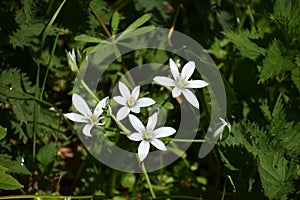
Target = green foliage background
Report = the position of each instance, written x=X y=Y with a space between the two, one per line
x=255 y=44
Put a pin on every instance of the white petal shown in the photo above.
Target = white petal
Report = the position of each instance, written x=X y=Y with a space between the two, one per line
x=76 y=117
x=135 y=109
x=120 y=100
x=176 y=92
x=135 y=92
x=164 y=81
x=174 y=69
x=191 y=97
x=99 y=108
x=87 y=130
x=143 y=150
x=158 y=144
x=136 y=136
x=144 y=102
x=219 y=131
x=188 y=70
x=136 y=123
x=80 y=105
x=196 y=84
x=152 y=121
x=124 y=90
x=122 y=113
x=164 y=132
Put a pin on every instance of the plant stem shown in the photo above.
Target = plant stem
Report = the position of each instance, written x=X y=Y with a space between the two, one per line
x=99 y=19
x=86 y=87
x=120 y=125
x=148 y=181
x=45 y=196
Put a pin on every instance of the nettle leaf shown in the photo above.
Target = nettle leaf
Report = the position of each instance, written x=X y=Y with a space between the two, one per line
x=275 y=63
x=286 y=133
x=287 y=13
x=18 y=166
x=243 y=43
x=13 y=84
x=47 y=153
x=275 y=174
x=296 y=77
x=26 y=35
x=7 y=182
x=26 y=13
x=19 y=130
x=3 y=132
x=270 y=148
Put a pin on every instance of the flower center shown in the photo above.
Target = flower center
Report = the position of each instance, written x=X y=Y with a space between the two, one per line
x=148 y=135
x=93 y=119
x=131 y=102
x=181 y=82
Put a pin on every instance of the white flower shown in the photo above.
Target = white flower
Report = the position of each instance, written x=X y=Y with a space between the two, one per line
x=87 y=116
x=219 y=131
x=148 y=135
x=130 y=101
x=72 y=60
x=181 y=82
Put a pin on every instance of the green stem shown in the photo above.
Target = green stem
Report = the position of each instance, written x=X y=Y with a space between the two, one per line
x=49 y=65
x=184 y=140
x=45 y=196
x=86 y=87
x=29 y=96
x=99 y=19
x=148 y=181
x=120 y=125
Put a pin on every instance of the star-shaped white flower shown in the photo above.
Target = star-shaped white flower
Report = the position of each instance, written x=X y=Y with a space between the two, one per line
x=130 y=101
x=87 y=116
x=148 y=134
x=181 y=82
x=219 y=131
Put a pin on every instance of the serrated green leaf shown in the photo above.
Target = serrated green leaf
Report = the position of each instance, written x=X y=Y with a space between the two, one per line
x=26 y=35
x=296 y=77
x=7 y=182
x=18 y=166
x=275 y=63
x=47 y=153
x=3 y=132
x=287 y=13
x=265 y=110
x=274 y=173
x=18 y=130
x=246 y=47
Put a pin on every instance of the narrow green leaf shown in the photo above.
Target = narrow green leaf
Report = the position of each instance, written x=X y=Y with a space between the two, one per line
x=115 y=22
x=87 y=39
x=50 y=23
x=139 y=22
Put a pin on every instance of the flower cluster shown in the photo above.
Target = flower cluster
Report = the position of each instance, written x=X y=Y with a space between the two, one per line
x=131 y=102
